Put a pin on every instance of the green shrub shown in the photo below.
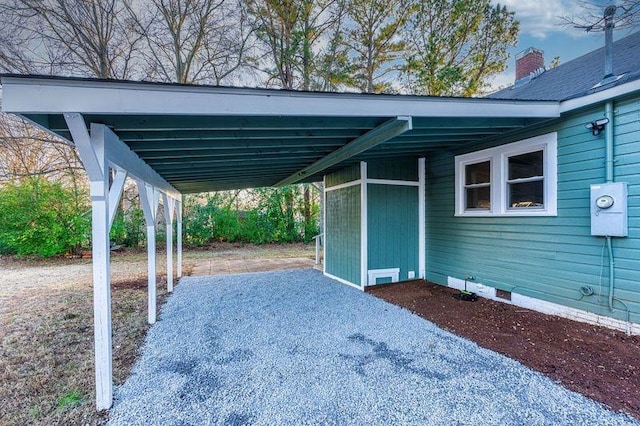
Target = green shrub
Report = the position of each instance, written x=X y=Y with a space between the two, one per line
x=129 y=228
x=38 y=217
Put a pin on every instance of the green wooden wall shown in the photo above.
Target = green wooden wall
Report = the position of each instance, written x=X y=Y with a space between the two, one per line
x=394 y=168
x=393 y=228
x=392 y=225
x=342 y=232
x=345 y=175
x=548 y=258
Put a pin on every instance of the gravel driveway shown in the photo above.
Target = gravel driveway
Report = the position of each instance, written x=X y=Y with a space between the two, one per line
x=295 y=347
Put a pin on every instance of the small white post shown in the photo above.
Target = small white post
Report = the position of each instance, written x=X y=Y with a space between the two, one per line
x=422 y=237
x=169 y=208
x=324 y=224
x=364 y=247
x=179 y=237
x=149 y=202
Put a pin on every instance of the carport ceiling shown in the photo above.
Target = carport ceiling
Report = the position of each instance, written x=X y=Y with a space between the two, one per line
x=202 y=138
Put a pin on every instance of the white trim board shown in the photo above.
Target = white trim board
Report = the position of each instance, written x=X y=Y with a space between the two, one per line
x=422 y=219
x=545 y=307
x=604 y=95
x=393 y=182
x=34 y=95
x=343 y=185
x=374 y=274
x=343 y=281
x=364 y=230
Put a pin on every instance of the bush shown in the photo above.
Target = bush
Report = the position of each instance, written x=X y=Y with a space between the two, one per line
x=38 y=217
x=272 y=215
x=129 y=228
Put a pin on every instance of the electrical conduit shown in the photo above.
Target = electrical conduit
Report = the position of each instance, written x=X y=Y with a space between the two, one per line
x=608 y=156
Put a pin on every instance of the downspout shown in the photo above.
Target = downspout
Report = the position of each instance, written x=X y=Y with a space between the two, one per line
x=608 y=155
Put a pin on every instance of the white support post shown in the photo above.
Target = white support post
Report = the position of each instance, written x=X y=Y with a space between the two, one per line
x=364 y=248
x=115 y=193
x=324 y=224
x=422 y=238
x=149 y=202
x=169 y=209
x=93 y=154
x=179 y=239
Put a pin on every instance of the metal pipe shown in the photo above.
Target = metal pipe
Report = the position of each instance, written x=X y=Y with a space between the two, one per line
x=608 y=133
x=608 y=112
x=611 y=273
x=608 y=41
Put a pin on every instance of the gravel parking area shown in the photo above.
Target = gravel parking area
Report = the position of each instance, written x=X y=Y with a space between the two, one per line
x=295 y=347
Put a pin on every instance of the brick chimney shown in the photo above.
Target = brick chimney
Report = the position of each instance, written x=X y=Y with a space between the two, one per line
x=528 y=61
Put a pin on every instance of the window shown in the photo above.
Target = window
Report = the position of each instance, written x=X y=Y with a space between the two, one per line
x=517 y=179
x=477 y=186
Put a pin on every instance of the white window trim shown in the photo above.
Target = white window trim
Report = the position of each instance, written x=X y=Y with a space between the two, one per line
x=498 y=156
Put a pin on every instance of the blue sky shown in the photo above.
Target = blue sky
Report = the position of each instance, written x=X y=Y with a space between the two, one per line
x=540 y=26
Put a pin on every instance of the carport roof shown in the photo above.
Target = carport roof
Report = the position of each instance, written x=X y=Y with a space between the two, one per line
x=205 y=138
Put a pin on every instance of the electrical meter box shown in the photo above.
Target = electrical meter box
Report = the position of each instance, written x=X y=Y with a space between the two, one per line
x=609 y=210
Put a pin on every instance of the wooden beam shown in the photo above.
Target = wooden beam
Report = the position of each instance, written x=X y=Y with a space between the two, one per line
x=380 y=134
x=115 y=193
x=149 y=202
x=169 y=210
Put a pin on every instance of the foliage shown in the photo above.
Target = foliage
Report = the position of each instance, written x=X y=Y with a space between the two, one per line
x=454 y=46
x=273 y=215
x=375 y=42
x=129 y=228
x=38 y=217
x=291 y=34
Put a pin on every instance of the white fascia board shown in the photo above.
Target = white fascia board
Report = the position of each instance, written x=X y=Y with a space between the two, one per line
x=32 y=95
x=121 y=157
x=614 y=92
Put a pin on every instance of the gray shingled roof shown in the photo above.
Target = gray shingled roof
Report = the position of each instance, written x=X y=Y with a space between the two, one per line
x=577 y=77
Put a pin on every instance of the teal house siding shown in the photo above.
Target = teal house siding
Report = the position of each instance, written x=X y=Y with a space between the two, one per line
x=548 y=258
x=393 y=228
x=395 y=169
x=342 y=230
x=392 y=220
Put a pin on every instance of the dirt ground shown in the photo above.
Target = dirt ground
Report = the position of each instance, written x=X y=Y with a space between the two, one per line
x=597 y=362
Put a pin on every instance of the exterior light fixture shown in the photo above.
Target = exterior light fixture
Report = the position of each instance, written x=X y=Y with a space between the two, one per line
x=597 y=126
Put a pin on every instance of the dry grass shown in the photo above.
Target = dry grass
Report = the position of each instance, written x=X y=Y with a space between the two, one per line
x=46 y=332
x=46 y=360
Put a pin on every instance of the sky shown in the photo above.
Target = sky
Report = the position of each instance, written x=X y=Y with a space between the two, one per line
x=540 y=27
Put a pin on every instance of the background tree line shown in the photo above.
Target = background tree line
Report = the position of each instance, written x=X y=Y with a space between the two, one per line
x=432 y=47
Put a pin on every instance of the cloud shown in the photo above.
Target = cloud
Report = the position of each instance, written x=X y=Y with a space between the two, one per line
x=539 y=18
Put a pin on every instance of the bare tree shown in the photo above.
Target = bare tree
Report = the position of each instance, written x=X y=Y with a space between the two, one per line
x=76 y=37
x=28 y=151
x=626 y=15
x=192 y=41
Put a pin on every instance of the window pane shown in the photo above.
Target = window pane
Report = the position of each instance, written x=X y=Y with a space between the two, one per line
x=478 y=198
x=478 y=173
x=526 y=195
x=526 y=165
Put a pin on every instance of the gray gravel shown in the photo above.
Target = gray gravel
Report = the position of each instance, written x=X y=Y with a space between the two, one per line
x=295 y=347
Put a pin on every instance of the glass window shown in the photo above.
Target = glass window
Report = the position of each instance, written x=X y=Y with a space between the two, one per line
x=514 y=179
x=478 y=186
x=525 y=185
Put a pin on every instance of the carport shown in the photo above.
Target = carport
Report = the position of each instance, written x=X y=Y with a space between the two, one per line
x=175 y=139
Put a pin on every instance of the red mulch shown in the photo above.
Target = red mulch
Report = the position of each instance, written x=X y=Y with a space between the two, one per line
x=598 y=362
